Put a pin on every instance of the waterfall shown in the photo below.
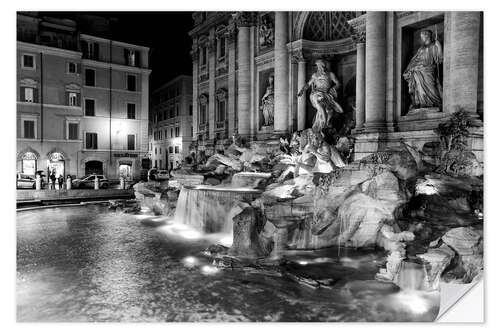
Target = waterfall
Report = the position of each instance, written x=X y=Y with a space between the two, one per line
x=412 y=276
x=208 y=208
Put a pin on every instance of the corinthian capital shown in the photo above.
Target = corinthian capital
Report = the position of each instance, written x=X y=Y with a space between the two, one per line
x=358 y=24
x=245 y=19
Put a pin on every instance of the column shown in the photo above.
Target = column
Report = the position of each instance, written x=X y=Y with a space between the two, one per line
x=281 y=71
x=194 y=55
x=231 y=79
x=212 y=50
x=360 y=85
x=464 y=62
x=302 y=100
x=375 y=72
x=243 y=74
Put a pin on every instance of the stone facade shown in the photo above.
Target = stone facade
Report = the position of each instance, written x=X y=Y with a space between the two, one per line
x=82 y=101
x=368 y=52
x=171 y=123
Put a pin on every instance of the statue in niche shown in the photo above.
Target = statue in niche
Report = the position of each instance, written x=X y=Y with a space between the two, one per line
x=423 y=83
x=266 y=32
x=267 y=101
x=323 y=96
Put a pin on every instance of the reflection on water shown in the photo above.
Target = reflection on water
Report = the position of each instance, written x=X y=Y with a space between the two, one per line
x=88 y=264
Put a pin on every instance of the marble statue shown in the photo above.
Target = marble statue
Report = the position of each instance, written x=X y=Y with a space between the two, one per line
x=266 y=33
x=267 y=105
x=423 y=84
x=323 y=95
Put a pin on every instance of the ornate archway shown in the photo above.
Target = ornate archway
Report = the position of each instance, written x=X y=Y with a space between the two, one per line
x=322 y=26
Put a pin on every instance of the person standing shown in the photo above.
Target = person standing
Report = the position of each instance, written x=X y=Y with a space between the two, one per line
x=53 y=179
x=61 y=181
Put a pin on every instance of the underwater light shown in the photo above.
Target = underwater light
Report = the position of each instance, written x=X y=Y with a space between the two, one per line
x=413 y=302
x=190 y=261
x=209 y=270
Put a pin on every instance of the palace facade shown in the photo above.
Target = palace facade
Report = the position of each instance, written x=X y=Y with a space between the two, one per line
x=234 y=54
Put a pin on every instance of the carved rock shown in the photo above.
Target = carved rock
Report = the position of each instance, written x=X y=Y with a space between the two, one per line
x=247 y=241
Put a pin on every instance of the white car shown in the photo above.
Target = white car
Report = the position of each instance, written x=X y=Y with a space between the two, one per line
x=25 y=181
x=162 y=175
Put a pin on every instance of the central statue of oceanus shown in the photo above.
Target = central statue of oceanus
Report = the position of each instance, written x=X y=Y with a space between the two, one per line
x=323 y=96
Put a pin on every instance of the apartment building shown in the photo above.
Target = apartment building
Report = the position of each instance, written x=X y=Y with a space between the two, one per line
x=82 y=101
x=171 y=122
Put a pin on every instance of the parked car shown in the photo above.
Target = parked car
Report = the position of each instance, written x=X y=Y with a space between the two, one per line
x=162 y=175
x=88 y=182
x=25 y=181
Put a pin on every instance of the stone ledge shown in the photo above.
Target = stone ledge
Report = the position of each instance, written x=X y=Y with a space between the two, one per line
x=77 y=194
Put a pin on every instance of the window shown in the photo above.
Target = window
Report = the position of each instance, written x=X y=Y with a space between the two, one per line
x=176 y=132
x=171 y=132
x=177 y=149
x=131 y=82
x=29 y=129
x=130 y=111
x=90 y=77
x=89 y=107
x=90 y=50
x=72 y=131
x=91 y=140
x=73 y=99
x=221 y=110
x=177 y=110
x=203 y=113
x=190 y=110
x=29 y=94
x=171 y=150
x=28 y=61
x=131 y=142
x=222 y=48
x=130 y=57
x=73 y=68
x=156 y=164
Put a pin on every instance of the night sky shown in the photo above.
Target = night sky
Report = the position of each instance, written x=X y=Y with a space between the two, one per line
x=166 y=33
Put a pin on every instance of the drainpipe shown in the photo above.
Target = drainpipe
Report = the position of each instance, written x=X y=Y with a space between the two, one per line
x=110 y=103
x=41 y=98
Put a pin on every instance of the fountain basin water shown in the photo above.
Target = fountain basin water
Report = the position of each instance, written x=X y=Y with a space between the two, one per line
x=208 y=208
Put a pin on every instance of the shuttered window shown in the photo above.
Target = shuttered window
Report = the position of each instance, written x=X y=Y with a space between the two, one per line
x=131 y=142
x=73 y=131
x=130 y=111
x=90 y=77
x=131 y=84
x=91 y=140
x=29 y=129
x=89 y=107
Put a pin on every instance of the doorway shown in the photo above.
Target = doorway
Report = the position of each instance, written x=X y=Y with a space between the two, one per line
x=125 y=170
